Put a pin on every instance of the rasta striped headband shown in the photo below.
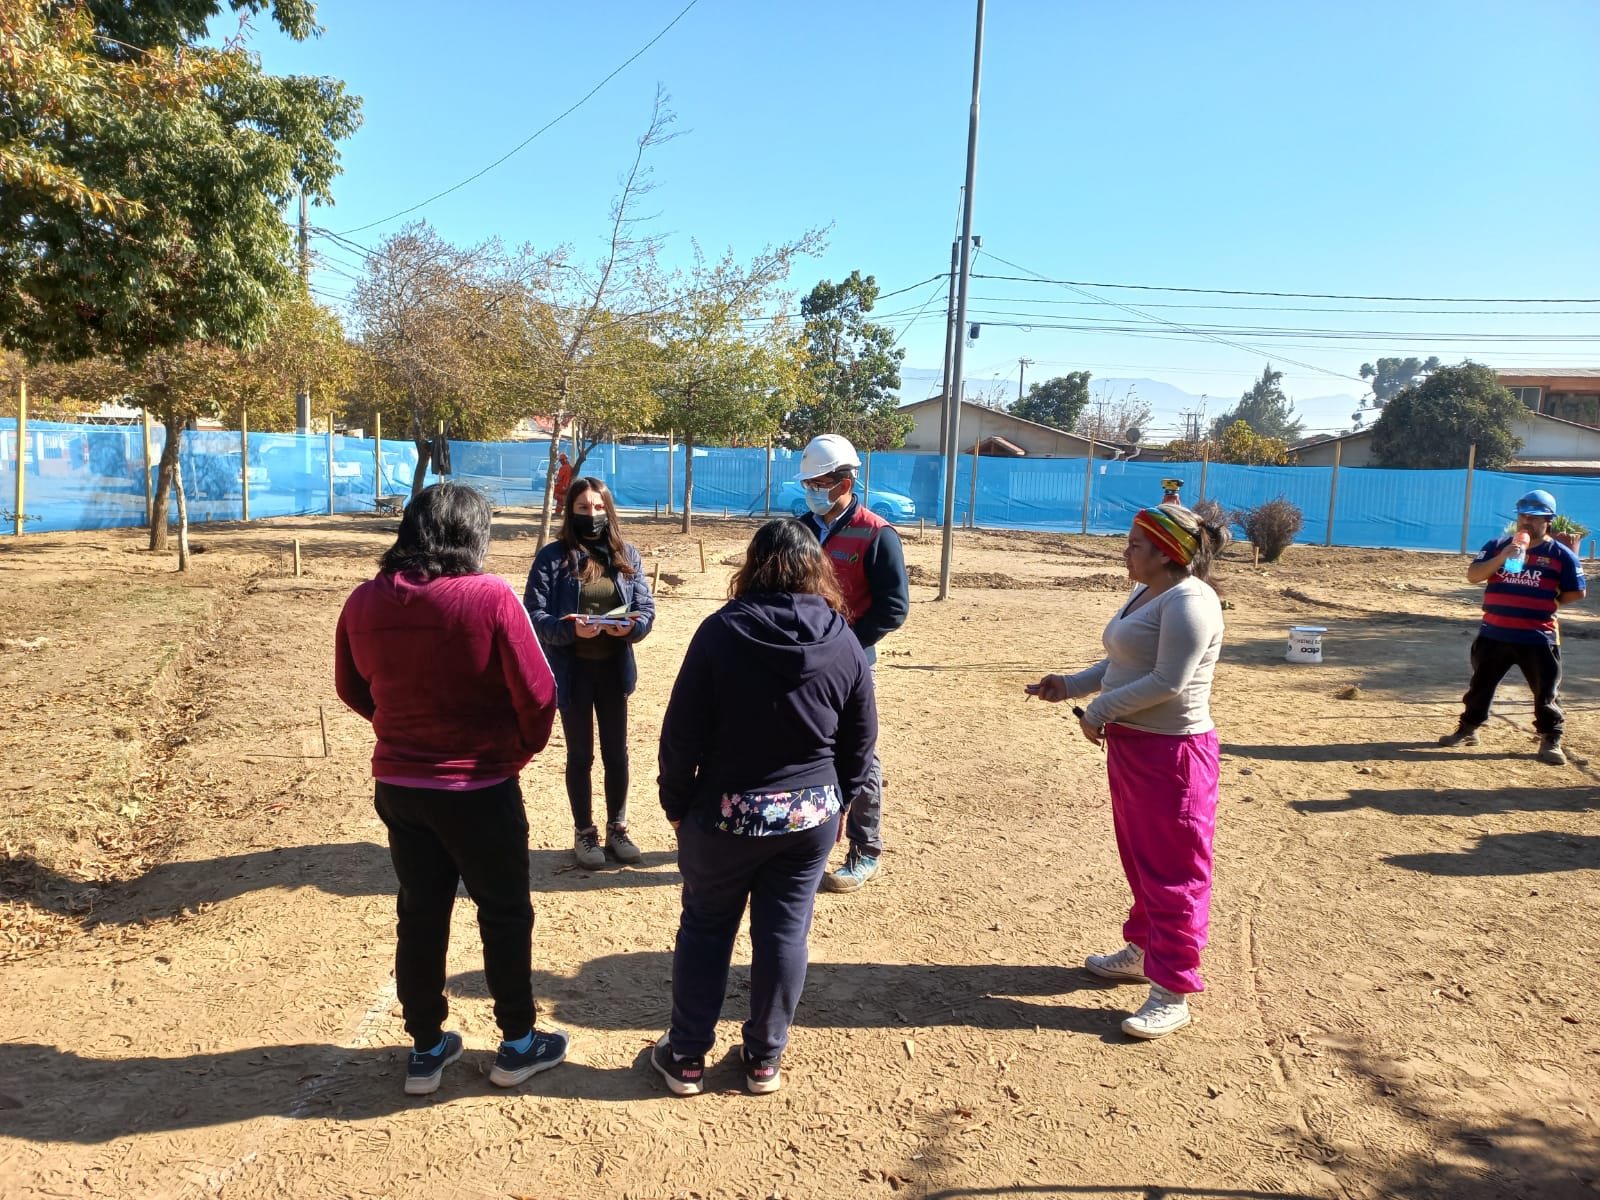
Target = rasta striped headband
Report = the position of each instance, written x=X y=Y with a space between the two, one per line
x=1172 y=539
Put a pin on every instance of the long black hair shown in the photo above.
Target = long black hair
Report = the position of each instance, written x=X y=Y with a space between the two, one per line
x=1211 y=535
x=444 y=531
x=591 y=569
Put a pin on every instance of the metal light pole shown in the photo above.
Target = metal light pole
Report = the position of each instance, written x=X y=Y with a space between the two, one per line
x=961 y=316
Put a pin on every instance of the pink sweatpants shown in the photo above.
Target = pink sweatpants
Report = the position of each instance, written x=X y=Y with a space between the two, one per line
x=1164 y=809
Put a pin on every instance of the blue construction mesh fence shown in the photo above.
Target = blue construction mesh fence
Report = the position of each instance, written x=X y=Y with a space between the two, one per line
x=92 y=476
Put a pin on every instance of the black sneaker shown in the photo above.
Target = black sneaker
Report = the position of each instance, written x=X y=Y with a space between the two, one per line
x=1461 y=737
x=685 y=1076
x=762 y=1076
x=512 y=1066
x=425 y=1067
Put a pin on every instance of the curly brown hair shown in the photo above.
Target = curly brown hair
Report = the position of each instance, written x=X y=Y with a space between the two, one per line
x=785 y=556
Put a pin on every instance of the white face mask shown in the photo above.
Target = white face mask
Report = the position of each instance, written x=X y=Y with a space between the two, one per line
x=818 y=499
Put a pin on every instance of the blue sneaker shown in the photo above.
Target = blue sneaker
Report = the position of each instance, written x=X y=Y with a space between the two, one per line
x=425 y=1067
x=853 y=876
x=512 y=1066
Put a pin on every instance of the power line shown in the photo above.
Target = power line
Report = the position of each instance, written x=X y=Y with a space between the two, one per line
x=1175 y=325
x=1034 y=277
x=542 y=129
x=1286 y=308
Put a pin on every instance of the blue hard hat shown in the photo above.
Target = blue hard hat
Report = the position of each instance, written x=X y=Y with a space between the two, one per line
x=1537 y=503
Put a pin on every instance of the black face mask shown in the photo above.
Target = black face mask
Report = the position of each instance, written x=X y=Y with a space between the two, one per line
x=590 y=527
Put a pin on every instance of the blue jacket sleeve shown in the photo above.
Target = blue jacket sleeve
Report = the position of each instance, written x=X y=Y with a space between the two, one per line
x=885 y=566
x=545 y=597
x=643 y=602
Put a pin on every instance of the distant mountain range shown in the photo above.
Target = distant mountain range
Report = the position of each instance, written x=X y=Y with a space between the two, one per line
x=1167 y=403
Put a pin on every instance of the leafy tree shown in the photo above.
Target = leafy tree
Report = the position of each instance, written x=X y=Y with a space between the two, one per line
x=435 y=323
x=145 y=172
x=1392 y=374
x=1241 y=444
x=205 y=380
x=1431 y=424
x=852 y=369
x=1264 y=408
x=581 y=357
x=1114 y=418
x=1055 y=402
x=720 y=381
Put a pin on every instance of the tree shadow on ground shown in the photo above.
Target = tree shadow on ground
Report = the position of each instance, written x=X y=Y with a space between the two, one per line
x=338 y=868
x=48 y=1094
x=1510 y=854
x=1360 y=752
x=1110 y=1191
x=634 y=991
x=51 y=1094
x=1506 y=1155
x=1411 y=802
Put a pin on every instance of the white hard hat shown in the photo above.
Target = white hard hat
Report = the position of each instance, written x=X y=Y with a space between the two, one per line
x=825 y=454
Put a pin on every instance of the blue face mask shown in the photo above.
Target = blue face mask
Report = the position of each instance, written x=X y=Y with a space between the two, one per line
x=818 y=500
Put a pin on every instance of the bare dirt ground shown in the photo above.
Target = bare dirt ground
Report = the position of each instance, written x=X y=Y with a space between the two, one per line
x=197 y=914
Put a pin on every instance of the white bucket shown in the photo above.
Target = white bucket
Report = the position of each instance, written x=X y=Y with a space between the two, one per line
x=1305 y=643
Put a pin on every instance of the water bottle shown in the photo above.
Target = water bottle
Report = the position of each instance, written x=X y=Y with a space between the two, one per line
x=1518 y=558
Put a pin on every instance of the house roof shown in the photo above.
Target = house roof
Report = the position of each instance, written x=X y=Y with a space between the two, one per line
x=1000 y=412
x=1527 y=415
x=1548 y=372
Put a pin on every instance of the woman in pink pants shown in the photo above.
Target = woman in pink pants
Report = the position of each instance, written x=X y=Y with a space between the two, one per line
x=1153 y=716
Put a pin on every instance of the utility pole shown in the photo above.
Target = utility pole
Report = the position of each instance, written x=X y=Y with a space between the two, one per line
x=961 y=312
x=1022 y=365
x=302 y=399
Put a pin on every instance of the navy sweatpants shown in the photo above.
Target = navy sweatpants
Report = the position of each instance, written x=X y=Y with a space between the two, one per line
x=777 y=876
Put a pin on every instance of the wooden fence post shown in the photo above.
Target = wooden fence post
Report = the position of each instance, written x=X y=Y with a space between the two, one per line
x=330 y=462
x=1466 y=509
x=1088 y=479
x=1333 y=492
x=149 y=498
x=22 y=451
x=244 y=458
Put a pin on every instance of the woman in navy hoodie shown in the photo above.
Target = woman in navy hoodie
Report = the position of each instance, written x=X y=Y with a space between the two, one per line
x=588 y=572
x=769 y=732
x=441 y=659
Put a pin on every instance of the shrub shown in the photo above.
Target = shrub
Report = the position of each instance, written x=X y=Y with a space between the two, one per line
x=1212 y=513
x=1271 y=527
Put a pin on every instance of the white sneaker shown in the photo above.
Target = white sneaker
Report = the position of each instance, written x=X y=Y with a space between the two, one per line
x=1163 y=1013
x=1126 y=965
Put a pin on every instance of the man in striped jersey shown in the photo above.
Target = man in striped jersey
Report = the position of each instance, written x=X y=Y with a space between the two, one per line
x=1519 y=624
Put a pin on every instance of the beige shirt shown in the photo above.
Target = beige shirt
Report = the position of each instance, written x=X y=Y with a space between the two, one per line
x=1156 y=675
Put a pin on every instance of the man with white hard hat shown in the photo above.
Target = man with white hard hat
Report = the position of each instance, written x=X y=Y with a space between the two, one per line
x=1529 y=575
x=867 y=560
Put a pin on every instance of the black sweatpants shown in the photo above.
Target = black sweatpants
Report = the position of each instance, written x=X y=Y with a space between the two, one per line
x=1541 y=667
x=595 y=696
x=438 y=838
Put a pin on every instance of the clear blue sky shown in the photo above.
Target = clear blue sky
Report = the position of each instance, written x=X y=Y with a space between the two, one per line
x=1434 y=149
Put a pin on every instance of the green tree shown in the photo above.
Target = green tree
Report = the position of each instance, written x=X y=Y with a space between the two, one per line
x=1264 y=408
x=435 y=331
x=1392 y=374
x=852 y=369
x=1431 y=424
x=145 y=175
x=720 y=381
x=1055 y=402
x=581 y=356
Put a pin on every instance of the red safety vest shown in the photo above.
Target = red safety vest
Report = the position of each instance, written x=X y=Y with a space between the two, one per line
x=846 y=551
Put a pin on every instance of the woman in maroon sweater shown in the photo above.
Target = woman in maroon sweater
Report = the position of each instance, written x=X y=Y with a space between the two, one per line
x=442 y=660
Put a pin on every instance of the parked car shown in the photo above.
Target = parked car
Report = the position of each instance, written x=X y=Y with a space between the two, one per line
x=891 y=506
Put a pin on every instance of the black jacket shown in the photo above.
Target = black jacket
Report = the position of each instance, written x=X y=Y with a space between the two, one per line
x=774 y=695
x=885 y=564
